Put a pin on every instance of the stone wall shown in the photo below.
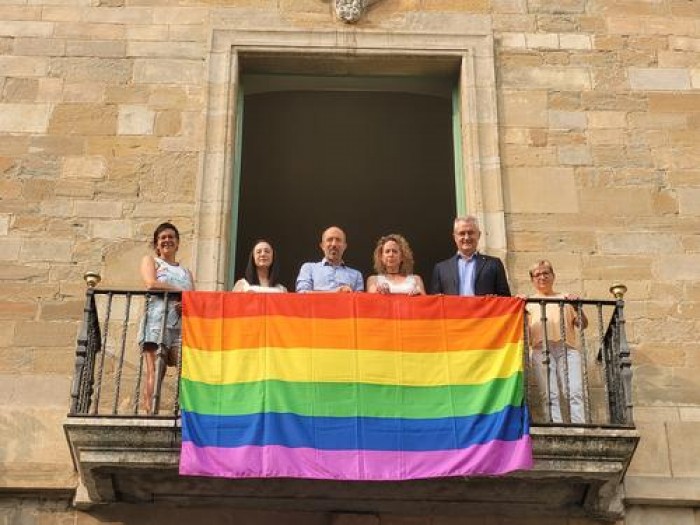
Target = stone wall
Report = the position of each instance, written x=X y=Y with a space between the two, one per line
x=30 y=511
x=16 y=511
x=104 y=120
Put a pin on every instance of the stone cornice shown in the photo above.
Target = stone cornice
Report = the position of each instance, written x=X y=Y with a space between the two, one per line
x=578 y=471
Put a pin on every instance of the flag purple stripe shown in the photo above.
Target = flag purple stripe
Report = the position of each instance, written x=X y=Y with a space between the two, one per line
x=493 y=458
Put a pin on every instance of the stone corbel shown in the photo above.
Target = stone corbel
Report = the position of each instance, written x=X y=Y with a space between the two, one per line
x=350 y=11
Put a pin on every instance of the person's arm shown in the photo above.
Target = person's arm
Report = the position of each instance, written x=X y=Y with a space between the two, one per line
x=502 y=287
x=420 y=288
x=533 y=321
x=583 y=320
x=372 y=284
x=359 y=285
x=239 y=286
x=305 y=281
x=150 y=279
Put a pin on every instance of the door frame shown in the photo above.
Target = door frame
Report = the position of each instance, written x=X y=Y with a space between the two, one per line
x=479 y=188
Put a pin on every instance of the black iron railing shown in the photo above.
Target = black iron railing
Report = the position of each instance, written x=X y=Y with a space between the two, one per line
x=110 y=368
x=600 y=357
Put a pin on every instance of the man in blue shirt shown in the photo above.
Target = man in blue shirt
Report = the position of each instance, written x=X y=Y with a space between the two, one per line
x=330 y=274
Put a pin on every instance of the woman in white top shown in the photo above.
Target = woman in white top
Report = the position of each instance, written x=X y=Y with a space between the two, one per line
x=261 y=271
x=393 y=262
x=564 y=354
x=162 y=273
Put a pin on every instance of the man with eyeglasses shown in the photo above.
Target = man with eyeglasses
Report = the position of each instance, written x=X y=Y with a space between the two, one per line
x=469 y=272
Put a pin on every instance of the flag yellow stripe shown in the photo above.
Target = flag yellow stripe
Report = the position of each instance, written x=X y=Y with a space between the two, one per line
x=358 y=366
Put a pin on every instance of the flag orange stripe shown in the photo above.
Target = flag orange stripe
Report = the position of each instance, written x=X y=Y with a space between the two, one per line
x=369 y=334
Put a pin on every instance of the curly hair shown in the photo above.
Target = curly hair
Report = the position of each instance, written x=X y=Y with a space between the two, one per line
x=406 y=266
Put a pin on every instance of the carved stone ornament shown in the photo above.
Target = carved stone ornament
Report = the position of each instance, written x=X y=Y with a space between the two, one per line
x=350 y=11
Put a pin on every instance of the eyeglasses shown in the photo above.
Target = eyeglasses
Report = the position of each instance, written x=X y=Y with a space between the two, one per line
x=537 y=275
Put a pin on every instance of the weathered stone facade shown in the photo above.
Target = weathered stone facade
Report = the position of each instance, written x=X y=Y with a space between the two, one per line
x=116 y=115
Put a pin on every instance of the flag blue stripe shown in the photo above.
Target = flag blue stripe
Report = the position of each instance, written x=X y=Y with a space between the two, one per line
x=354 y=433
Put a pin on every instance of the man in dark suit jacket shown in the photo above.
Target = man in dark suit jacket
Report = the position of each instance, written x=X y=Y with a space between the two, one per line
x=469 y=272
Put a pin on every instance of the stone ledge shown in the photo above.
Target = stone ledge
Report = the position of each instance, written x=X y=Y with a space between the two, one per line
x=577 y=472
x=661 y=491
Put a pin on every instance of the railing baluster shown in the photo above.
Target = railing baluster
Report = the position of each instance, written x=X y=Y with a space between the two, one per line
x=625 y=367
x=604 y=354
x=546 y=358
x=621 y=359
x=566 y=394
x=615 y=368
x=176 y=404
x=83 y=398
x=137 y=386
x=139 y=375
x=122 y=351
x=160 y=357
x=77 y=388
x=584 y=363
x=100 y=370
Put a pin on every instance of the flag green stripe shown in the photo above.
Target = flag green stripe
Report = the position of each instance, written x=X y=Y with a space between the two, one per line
x=351 y=399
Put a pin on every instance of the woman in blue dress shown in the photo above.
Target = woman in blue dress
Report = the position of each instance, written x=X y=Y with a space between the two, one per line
x=161 y=272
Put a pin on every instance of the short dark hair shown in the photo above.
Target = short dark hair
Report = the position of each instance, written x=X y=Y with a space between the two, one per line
x=160 y=229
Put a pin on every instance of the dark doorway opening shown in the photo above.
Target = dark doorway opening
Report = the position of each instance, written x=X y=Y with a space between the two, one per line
x=370 y=162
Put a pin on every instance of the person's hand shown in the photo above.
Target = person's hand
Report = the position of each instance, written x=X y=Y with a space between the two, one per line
x=521 y=296
x=415 y=291
x=572 y=297
x=345 y=288
x=383 y=288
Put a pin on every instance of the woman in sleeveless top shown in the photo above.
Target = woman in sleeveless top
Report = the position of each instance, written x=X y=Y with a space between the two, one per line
x=393 y=262
x=261 y=271
x=162 y=272
x=565 y=370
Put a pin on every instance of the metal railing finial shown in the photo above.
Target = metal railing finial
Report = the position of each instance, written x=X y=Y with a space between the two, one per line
x=92 y=279
x=618 y=290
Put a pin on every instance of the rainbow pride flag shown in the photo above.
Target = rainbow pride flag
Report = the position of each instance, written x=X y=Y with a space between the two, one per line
x=352 y=386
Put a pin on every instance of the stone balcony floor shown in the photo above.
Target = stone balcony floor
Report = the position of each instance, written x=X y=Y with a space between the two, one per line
x=578 y=471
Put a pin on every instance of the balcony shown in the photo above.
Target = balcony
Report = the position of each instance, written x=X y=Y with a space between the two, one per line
x=125 y=454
